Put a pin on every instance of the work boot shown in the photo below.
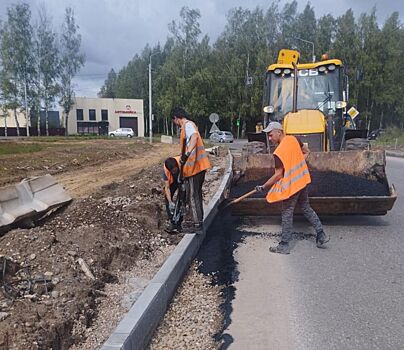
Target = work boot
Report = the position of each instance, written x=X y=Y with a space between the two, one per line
x=321 y=239
x=173 y=229
x=281 y=248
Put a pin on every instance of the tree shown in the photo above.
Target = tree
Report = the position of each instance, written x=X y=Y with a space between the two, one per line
x=47 y=59
x=186 y=33
x=108 y=90
x=392 y=82
x=71 y=62
x=209 y=77
x=306 y=28
x=325 y=34
x=16 y=51
x=346 y=47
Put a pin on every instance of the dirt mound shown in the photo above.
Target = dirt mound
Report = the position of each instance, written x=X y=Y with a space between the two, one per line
x=109 y=231
x=48 y=297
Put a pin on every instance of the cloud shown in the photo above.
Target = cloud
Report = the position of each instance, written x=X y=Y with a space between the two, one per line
x=113 y=31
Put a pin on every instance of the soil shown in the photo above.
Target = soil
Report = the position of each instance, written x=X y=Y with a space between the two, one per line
x=74 y=158
x=60 y=278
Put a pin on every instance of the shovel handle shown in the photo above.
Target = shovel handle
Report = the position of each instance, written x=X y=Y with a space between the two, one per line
x=239 y=199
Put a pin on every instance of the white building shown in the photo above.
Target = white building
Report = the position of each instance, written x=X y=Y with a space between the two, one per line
x=9 y=119
x=101 y=115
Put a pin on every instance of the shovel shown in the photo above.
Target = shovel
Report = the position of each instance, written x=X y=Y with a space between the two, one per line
x=239 y=199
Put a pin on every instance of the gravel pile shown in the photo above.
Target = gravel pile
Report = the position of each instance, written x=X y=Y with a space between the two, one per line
x=325 y=184
x=115 y=300
x=193 y=317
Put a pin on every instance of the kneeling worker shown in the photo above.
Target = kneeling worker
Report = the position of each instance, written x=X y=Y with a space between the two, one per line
x=289 y=185
x=171 y=174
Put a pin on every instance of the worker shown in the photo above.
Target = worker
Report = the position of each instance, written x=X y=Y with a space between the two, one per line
x=195 y=162
x=171 y=172
x=289 y=185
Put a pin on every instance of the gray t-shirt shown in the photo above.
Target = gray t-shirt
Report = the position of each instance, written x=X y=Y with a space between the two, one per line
x=189 y=131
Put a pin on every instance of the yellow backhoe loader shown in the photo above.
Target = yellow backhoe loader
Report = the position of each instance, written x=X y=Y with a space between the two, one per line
x=310 y=100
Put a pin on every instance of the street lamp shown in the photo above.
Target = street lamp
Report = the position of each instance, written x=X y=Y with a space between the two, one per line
x=150 y=99
x=312 y=45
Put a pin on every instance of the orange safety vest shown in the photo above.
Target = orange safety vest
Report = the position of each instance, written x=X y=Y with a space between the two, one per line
x=170 y=176
x=296 y=174
x=198 y=159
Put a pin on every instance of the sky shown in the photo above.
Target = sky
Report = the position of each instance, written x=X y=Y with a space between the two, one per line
x=113 y=31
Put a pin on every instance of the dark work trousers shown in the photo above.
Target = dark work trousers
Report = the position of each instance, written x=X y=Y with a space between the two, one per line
x=173 y=189
x=193 y=185
x=288 y=207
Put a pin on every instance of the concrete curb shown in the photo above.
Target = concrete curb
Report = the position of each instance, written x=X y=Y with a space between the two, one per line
x=136 y=328
x=395 y=154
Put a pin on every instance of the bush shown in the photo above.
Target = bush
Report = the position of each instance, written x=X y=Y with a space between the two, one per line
x=391 y=136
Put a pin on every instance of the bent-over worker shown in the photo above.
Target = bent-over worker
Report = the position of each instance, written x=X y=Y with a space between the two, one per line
x=171 y=172
x=289 y=185
x=195 y=162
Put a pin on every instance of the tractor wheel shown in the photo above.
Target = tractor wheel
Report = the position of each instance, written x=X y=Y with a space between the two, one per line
x=357 y=144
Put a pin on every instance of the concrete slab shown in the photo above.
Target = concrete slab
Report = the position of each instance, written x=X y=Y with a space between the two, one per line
x=30 y=199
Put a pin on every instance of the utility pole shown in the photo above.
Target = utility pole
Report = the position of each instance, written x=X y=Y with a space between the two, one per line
x=150 y=98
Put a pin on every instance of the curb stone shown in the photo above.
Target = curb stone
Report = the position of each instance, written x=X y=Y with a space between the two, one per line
x=395 y=154
x=136 y=329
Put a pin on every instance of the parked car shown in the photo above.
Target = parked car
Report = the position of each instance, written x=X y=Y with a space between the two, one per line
x=122 y=132
x=221 y=136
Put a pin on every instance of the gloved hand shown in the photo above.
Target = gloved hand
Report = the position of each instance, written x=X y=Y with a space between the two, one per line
x=184 y=158
x=171 y=207
x=259 y=188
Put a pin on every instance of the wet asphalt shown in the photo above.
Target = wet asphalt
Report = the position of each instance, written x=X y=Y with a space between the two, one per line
x=348 y=296
x=351 y=295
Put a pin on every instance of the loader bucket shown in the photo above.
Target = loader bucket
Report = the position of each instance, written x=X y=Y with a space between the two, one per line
x=343 y=183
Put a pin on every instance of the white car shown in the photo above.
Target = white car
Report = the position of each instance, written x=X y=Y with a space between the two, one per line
x=122 y=132
x=221 y=136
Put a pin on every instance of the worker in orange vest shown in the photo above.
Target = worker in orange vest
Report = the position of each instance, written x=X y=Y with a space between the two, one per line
x=289 y=185
x=194 y=161
x=171 y=172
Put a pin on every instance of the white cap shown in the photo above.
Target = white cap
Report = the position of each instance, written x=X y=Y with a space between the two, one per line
x=273 y=126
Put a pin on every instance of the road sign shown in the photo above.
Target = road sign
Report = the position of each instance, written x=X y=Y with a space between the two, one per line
x=214 y=118
x=213 y=128
x=353 y=112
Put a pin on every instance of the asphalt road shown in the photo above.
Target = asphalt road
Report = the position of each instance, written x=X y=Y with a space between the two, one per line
x=348 y=296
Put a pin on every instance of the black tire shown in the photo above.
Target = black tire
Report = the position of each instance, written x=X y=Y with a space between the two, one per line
x=130 y=136
x=221 y=140
x=357 y=144
x=112 y=135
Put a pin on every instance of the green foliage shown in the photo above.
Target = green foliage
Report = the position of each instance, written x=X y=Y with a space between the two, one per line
x=48 y=65
x=71 y=61
x=34 y=67
x=109 y=88
x=392 y=137
x=16 y=55
x=207 y=77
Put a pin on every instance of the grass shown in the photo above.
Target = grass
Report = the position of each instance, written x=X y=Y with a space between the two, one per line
x=391 y=138
x=7 y=148
x=67 y=138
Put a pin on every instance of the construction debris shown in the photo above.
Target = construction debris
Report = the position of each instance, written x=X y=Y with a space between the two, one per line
x=85 y=268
